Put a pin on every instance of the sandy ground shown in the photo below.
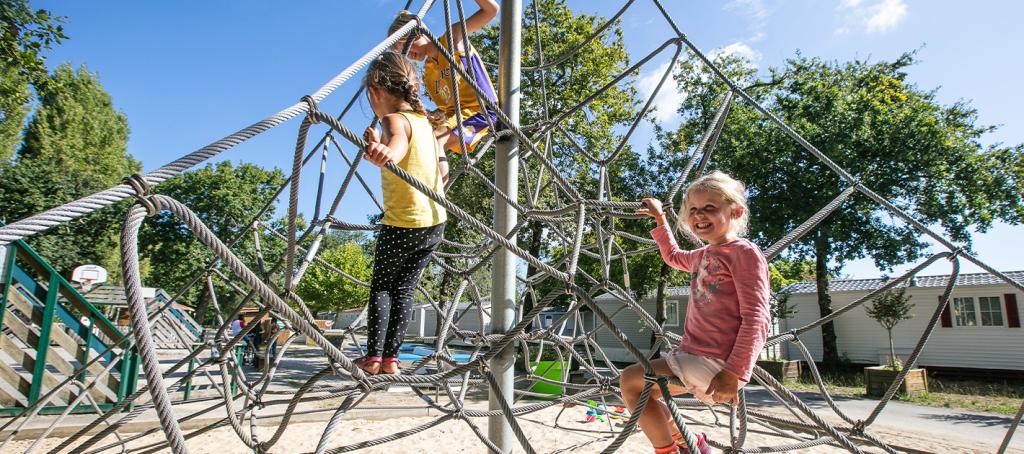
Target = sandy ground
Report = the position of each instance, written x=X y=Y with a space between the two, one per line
x=553 y=430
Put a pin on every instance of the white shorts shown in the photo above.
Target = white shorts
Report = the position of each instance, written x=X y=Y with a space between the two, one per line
x=695 y=371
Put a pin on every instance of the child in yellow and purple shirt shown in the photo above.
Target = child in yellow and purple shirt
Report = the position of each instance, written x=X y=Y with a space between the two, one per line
x=438 y=74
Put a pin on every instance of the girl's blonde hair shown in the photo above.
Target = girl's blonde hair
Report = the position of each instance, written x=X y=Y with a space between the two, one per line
x=731 y=190
x=395 y=74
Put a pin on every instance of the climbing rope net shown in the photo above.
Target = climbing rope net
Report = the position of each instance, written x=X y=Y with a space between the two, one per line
x=582 y=226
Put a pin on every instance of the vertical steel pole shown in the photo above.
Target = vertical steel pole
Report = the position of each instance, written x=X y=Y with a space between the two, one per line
x=506 y=178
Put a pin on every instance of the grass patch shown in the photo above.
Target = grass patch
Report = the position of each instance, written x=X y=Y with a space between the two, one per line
x=989 y=395
x=996 y=396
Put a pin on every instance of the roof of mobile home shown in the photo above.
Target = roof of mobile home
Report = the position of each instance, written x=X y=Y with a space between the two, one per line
x=865 y=285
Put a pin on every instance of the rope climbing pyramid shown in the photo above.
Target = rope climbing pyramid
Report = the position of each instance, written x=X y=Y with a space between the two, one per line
x=578 y=225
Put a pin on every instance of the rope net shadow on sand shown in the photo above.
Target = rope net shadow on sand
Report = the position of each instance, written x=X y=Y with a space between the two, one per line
x=577 y=225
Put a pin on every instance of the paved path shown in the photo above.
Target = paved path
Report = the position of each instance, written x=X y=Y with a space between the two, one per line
x=964 y=426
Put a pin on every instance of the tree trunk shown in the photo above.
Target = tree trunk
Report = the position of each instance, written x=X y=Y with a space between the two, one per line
x=536 y=232
x=444 y=294
x=660 y=314
x=830 y=351
x=892 y=351
x=204 y=302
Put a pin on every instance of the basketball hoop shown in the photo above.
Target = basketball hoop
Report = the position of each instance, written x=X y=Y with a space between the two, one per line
x=89 y=275
x=87 y=284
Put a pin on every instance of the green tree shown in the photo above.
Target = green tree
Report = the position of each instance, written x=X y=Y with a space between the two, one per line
x=889 y=309
x=225 y=197
x=24 y=36
x=593 y=128
x=324 y=290
x=896 y=138
x=75 y=145
x=783 y=272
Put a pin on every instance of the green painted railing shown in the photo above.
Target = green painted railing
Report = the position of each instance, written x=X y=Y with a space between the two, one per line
x=55 y=301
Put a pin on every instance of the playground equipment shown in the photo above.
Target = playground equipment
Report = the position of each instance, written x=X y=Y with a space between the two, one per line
x=571 y=213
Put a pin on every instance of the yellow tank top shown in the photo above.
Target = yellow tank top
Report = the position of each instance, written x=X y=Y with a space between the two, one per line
x=437 y=76
x=404 y=206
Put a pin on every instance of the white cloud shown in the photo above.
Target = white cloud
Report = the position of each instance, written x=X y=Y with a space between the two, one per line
x=752 y=8
x=874 y=17
x=739 y=49
x=668 y=99
x=887 y=15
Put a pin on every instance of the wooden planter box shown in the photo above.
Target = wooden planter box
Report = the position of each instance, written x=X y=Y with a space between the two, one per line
x=877 y=380
x=782 y=370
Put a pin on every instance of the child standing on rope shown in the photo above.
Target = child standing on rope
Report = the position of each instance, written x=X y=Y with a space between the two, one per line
x=438 y=74
x=413 y=224
x=727 y=313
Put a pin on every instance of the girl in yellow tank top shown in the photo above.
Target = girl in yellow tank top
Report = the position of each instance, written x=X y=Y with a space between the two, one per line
x=413 y=223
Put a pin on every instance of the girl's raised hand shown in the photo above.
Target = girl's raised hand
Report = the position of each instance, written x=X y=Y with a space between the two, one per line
x=376 y=152
x=652 y=207
x=370 y=135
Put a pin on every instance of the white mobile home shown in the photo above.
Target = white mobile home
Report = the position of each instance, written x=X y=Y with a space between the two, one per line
x=631 y=323
x=468 y=316
x=980 y=329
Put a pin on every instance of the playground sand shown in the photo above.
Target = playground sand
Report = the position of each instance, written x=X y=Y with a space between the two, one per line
x=572 y=435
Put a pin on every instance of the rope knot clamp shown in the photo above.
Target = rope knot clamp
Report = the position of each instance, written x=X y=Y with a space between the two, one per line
x=858 y=428
x=143 y=193
x=363 y=382
x=311 y=114
x=955 y=254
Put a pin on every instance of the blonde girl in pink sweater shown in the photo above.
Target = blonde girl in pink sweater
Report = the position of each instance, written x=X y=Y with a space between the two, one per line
x=727 y=312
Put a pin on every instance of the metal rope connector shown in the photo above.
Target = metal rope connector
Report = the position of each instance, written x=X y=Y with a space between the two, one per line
x=311 y=114
x=143 y=193
x=858 y=428
x=955 y=254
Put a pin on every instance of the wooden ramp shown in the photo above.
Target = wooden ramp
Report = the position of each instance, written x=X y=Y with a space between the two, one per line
x=174 y=329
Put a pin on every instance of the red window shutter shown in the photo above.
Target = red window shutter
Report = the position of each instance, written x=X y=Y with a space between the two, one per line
x=947 y=317
x=1012 y=316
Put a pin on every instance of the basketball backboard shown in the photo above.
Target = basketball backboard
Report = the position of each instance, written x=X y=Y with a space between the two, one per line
x=89 y=275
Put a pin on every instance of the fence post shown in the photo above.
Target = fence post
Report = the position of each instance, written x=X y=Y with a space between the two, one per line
x=43 y=346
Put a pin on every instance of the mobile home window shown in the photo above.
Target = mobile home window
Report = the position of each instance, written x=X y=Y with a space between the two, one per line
x=990 y=309
x=963 y=311
x=412 y=318
x=671 y=313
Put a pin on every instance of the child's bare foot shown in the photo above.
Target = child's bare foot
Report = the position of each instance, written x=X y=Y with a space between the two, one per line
x=390 y=366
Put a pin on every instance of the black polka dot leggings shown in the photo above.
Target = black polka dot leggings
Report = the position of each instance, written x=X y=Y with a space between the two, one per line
x=399 y=260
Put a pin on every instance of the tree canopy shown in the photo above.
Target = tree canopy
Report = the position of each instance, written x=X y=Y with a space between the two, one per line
x=225 y=196
x=75 y=144
x=560 y=88
x=323 y=289
x=25 y=35
x=868 y=117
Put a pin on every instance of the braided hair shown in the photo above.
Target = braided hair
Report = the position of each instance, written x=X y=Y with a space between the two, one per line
x=395 y=74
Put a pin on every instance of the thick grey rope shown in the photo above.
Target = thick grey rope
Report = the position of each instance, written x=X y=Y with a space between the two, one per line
x=670 y=21
x=1009 y=432
x=78 y=208
x=141 y=328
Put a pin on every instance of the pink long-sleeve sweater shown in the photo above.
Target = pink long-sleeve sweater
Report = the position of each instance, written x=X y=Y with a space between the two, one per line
x=727 y=314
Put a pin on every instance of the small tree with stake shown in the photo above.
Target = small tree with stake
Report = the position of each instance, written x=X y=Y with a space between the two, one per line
x=889 y=309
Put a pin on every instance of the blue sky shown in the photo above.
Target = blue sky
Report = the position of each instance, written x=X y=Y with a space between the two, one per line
x=188 y=73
